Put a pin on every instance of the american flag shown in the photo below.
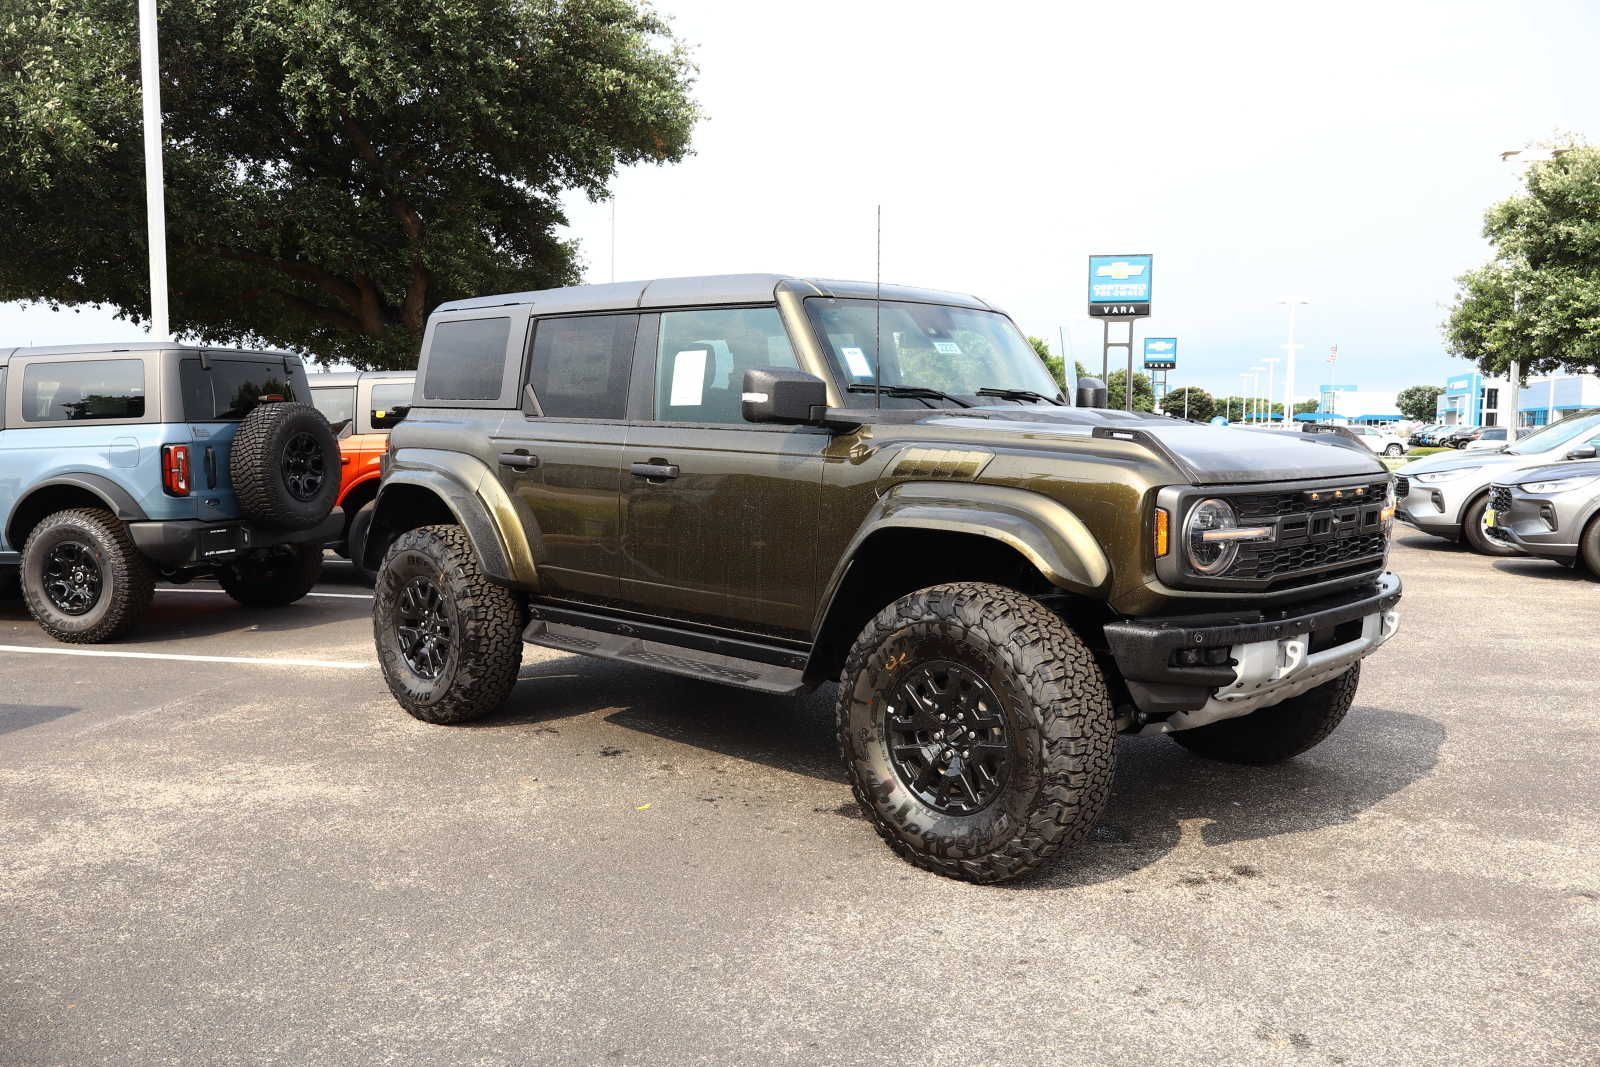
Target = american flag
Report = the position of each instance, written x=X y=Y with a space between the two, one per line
x=1333 y=354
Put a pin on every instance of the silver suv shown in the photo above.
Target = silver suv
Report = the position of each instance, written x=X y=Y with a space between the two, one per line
x=1448 y=495
x=1553 y=512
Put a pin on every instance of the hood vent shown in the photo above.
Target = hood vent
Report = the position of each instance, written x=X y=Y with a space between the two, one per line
x=944 y=464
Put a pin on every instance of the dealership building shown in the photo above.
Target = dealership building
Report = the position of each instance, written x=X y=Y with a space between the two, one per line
x=1474 y=399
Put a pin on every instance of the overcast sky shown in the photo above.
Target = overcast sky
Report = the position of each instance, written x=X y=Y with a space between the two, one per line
x=1343 y=152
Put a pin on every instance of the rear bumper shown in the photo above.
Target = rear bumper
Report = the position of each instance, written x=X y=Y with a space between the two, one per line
x=184 y=543
x=1198 y=669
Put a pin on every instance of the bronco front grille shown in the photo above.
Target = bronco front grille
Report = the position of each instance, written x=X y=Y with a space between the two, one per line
x=1316 y=556
x=1500 y=498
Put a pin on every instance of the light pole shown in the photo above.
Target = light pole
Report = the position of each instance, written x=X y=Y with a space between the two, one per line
x=1272 y=367
x=1523 y=158
x=1244 y=396
x=1288 y=369
x=155 y=201
x=1255 y=392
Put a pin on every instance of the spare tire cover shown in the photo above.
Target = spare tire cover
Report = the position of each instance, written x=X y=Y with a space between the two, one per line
x=285 y=466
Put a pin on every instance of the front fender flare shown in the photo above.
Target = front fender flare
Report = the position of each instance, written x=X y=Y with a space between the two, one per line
x=480 y=504
x=1044 y=531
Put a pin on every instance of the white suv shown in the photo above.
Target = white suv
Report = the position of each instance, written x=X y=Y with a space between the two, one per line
x=1381 y=441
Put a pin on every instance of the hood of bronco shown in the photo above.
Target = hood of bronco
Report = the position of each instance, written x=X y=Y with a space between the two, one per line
x=1211 y=455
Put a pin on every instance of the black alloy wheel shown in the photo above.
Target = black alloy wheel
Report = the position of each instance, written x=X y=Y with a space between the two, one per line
x=947 y=738
x=72 y=578
x=303 y=469
x=425 y=628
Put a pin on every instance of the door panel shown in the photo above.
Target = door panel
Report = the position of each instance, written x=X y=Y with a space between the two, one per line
x=569 y=500
x=726 y=540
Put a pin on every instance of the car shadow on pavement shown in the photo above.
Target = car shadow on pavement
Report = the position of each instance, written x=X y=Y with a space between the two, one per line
x=793 y=734
x=22 y=716
x=1541 y=568
x=1430 y=542
x=181 y=615
x=1164 y=795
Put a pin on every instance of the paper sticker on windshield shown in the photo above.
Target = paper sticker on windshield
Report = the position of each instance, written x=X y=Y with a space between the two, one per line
x=947 y=348
x=856 y=360
x=688 y=378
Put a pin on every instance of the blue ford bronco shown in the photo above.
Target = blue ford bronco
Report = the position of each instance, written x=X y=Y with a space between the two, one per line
x=120 y=464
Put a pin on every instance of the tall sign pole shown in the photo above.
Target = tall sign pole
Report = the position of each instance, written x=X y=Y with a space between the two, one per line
x=1119 y=291
x=1288 y=369
x=154 y=181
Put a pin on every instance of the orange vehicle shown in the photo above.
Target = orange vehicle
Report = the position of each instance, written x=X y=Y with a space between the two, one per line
x=361 y=408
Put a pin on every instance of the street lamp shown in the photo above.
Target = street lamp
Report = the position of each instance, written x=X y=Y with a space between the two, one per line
x=1523 y=158
x=1255 y=393
x=1288 y=368
x=1244 y=396
x=155 y=201
x=1271 y=371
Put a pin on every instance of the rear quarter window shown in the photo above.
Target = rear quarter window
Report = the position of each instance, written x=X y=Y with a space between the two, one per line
x=86 y=391
x=466 y=360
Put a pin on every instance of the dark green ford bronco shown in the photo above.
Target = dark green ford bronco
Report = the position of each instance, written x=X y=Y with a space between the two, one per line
x=722 y=477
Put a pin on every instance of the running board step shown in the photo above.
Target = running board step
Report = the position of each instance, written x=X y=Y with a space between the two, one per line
x=675 y=659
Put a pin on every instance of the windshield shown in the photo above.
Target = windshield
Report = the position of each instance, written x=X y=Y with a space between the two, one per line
x=953 y=350
x=1557 y=434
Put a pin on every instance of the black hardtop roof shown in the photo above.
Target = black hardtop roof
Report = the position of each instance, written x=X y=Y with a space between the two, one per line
x=703 y=290
x=110 y=347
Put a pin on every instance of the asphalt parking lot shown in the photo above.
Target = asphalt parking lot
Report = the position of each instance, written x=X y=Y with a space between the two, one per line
x=264 y=859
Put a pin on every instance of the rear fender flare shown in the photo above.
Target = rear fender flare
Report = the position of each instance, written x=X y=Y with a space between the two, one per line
x=116 y=499
x=474 y=496
x=1044 y=531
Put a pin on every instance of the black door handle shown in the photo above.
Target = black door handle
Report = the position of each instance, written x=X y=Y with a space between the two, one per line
x=655 y=471
x=520 y=460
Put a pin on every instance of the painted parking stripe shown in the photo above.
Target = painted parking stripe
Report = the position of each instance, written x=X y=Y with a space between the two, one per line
x=253 y=661
x=219 y=592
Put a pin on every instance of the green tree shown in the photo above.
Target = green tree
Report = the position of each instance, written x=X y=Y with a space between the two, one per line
x=1056 y=365
x=334 y=170
x=1539 y=300
x=1419 y=402
x=1144 y=394
x=1304 y=407
x=1200 y=405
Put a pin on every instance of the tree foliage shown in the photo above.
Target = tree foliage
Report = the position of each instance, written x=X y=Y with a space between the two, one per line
x=1419 y=403
x=1056 y=365
x=334 y=170
x=1144 y=394
x=1539 y=300
x=1191 y=399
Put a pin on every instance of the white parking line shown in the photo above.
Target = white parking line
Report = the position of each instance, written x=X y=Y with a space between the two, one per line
x=254 y=661
x=219 y=592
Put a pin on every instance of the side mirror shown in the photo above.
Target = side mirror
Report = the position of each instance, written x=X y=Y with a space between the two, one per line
x=774 y=394
x=1583 y=452
x=1092 y=393
x=388 y=418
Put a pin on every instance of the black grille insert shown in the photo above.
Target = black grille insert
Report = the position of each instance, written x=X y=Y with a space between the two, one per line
x=1500 y=498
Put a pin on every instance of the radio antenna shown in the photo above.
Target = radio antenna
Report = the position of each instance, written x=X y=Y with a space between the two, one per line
x=877 y=321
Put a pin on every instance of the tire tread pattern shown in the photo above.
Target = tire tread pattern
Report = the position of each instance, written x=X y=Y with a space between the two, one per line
x=489 y=618
x=1067 y=698
x=132 y=579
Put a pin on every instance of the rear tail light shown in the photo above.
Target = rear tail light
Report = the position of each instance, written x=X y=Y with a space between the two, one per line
x=175 y=469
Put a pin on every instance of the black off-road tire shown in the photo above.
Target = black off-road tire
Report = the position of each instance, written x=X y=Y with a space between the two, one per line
x=479 y=664
x=1472 y=530
x=1058 y=727
x=272 y=577
x=126 y=580
x=1283 y=731
x=284 y=465
x=355 y=545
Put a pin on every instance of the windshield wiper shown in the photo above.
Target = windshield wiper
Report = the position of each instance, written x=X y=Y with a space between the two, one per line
x=910 y=392
x=1019 y=395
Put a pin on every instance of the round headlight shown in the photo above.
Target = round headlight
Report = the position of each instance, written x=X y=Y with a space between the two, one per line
x=1210 y=557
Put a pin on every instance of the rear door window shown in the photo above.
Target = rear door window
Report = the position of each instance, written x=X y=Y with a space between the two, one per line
x=231 y=388
x=467 y=359
x=390 y=402
x=580 y=365
x=336 y=402
x=83 y=392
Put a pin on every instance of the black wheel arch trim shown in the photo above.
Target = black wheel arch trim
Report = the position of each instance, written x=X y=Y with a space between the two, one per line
x=116 y=499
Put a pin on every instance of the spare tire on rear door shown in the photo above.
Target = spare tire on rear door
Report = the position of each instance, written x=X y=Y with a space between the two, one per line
x=285 y=466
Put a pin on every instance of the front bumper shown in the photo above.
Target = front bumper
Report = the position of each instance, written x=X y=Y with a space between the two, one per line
x=180 y=544
x=1434 y=509
x=1199 y=669
x=1532 y=524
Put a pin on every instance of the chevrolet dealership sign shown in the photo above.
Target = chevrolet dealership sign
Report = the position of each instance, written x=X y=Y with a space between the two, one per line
x=1160 y=353
x=1119 y=286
